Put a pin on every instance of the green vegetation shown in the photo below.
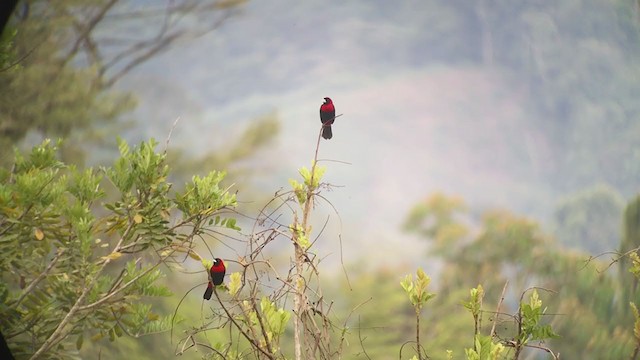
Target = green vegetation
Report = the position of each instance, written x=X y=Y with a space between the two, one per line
x=76 y=266
x=590 y=219
x=76 y=270
x=110 y=261
x=500 y=247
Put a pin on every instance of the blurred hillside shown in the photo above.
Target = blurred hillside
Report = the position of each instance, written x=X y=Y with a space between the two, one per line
x=509 y=104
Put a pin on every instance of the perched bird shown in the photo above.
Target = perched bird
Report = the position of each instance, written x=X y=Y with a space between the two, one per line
x=217 y=276
x=327 y=115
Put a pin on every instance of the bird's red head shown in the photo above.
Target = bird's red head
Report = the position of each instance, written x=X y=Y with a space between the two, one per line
x=218 y=265
x=327 y=101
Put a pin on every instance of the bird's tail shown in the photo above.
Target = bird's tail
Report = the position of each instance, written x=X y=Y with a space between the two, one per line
x=208 y=292
x=326 y=132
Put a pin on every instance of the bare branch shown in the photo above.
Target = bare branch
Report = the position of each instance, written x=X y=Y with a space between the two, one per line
x=514 y=344
x=495 y=318
x=87 y=29
x=251 y=340
x=166 y=144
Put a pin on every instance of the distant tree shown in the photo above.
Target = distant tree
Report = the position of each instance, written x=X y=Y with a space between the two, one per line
x=373 y=332
x=66 y=56
x=630 y=241
x=501 y=246
x=631 y=234
x=590 y=219
x=440 y=219
x=234 y=155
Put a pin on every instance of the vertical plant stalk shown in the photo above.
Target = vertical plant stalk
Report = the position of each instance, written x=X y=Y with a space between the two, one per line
x=476 y=330
x=299 y=302
x=518 y=345
x=298 y=297
x=418 y=334
x=418 y=295
x=495 y=317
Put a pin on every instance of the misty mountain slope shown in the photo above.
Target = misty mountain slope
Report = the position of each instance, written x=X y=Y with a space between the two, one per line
x=543 y=109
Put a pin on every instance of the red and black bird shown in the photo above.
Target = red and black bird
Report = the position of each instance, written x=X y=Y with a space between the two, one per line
x=217 y=276
x=327 y=115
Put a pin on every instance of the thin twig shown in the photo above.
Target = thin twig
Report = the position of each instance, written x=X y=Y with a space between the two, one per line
x=20 y=59
x=175 y=312
x=233 y=320
x=364 y=351
x=514 y=344
x=166 y=144
x=495 y=318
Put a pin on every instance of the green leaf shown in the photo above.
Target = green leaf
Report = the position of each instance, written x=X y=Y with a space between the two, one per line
x=231 y=224
x=300 y=236
x=534 y=300
x=123 y=147
x=407 y=283
x=299 y=191
x=449 y=355
x=277 y=318
x=207 y=264
x=485 y=349
x=306 y=175
x=79 y=342
x=636 y=327
x=235 y=281
x=635 y=265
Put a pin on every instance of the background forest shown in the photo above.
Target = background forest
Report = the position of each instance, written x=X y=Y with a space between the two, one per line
x=489 y=142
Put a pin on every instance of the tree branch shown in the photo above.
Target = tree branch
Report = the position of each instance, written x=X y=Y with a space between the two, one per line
x=58 y=332
x=37 y=280
x=87 y=30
